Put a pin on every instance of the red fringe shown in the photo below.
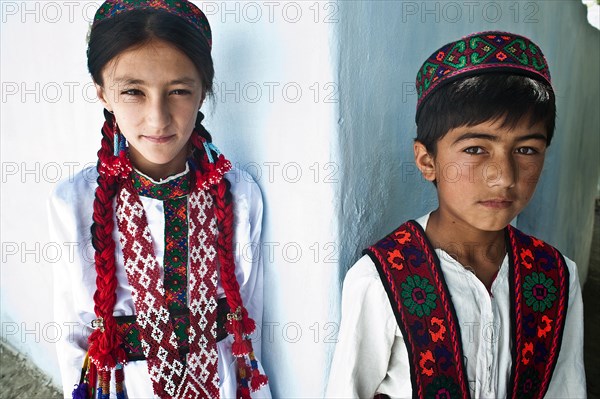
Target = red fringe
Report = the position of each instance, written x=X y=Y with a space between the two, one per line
x=243 y=393
x=93 y=377
x=241 y=347
x=258 y=380
x=232 y=326
x=248 y=325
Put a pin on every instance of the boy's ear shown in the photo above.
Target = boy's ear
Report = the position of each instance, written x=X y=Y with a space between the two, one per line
x=425 y=161
x=102 y=97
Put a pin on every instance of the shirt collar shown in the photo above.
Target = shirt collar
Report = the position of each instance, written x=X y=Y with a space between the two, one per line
x=172 y=187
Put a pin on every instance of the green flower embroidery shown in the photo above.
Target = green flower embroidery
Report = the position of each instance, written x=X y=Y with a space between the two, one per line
x=418 y=295
x=539 y=291
x=442 y=387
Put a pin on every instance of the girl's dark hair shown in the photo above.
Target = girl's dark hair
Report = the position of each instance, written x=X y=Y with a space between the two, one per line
x=488 y=97
x=108 y=39
x=131 y=29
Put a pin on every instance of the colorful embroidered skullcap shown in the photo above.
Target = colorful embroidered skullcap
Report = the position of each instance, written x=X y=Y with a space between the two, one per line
x=480 y=53
x=182 y=8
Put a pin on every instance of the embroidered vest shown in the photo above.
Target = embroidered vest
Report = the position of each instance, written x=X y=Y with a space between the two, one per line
x=412 y=277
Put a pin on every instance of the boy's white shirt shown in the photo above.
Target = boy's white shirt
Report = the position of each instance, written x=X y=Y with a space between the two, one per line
x=70 y=211
x=371 y=356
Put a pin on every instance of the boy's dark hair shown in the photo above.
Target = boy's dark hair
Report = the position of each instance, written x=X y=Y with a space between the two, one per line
x=486 y=97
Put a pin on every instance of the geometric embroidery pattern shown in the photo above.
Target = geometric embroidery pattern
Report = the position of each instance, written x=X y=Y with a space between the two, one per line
x=176 y=253
x=183 y=9
x=171 y=377
x=477 y=53
x=130 y=331
x=173 y=188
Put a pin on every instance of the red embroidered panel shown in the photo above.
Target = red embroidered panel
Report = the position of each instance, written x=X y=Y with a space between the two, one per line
x=540 y=294
x=411 y=274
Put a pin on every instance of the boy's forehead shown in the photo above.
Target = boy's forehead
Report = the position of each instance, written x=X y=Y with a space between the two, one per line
x=499 y=130
x=477 y=54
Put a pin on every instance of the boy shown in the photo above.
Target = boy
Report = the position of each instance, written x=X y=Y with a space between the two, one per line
x=458 y=303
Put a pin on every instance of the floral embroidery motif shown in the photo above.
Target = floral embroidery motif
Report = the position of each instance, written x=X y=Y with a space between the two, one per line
x=418 y=295
x=438 y=334
x=426 y=357
x=527 y=350
x=395 y=258
x=541 y=332
x=424 y=312
x=539 y=291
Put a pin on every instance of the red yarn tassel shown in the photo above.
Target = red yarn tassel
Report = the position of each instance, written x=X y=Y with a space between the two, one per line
x=258 y=380
x=241 y=347
x=248 y=325
x=243 y=393
x=232 y=327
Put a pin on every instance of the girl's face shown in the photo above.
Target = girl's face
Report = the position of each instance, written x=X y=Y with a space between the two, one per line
x=155 y=92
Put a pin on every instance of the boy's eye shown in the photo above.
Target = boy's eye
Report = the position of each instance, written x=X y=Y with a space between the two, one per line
x=474 y=150
x=526 y=151
x=132 y=92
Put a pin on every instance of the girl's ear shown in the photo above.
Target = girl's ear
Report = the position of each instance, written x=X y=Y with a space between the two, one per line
x=425 y=161
x=102 y=97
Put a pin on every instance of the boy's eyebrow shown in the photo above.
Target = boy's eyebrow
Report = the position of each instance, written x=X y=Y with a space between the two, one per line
x=473 y=135
x=533 y=136
x=491 y=137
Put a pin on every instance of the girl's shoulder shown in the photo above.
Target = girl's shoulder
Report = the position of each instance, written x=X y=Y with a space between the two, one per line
x=243 y=186
x=76 y=187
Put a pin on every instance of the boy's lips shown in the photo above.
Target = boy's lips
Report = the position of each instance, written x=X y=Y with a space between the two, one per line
x=497 y=203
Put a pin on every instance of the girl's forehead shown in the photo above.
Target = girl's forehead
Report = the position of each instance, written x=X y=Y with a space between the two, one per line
x=153 y=61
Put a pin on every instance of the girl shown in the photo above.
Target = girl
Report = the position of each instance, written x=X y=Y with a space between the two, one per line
x=163 y=305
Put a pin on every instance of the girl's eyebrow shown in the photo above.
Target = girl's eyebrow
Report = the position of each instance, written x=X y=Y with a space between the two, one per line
x=125 y=80
x=495 y=138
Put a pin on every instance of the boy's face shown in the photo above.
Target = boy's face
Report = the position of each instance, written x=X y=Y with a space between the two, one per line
x=486 y=174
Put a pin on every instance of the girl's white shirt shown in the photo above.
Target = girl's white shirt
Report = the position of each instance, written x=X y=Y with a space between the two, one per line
x=371 y=356
x=70 y=212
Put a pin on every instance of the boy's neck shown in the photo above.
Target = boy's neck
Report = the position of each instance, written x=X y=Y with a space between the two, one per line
x=479 y=251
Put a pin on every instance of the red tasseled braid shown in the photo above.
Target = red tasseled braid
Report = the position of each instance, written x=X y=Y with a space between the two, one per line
x=240 y=325
x=105 y=344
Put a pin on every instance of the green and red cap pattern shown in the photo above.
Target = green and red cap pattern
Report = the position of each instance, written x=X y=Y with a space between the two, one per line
x=480 y=53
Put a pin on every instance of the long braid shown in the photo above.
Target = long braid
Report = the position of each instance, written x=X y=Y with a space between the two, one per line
x=240 y=325
x=105 y=348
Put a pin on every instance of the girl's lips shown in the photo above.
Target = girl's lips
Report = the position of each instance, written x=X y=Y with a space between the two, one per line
x=497 y=203
x=158 y=140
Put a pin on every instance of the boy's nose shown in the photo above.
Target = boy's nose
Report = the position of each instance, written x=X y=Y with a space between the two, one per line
x=502 y=172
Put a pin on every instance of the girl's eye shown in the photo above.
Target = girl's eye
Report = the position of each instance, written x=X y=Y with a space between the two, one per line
x=526 y=151
x=474 y=150
x=181 y=92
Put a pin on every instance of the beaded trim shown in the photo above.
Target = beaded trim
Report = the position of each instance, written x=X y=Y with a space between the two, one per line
x=181 y=8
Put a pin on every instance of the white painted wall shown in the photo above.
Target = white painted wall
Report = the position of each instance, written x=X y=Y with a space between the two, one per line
x=334 y=162
x=382 y=45
x=274 y=113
